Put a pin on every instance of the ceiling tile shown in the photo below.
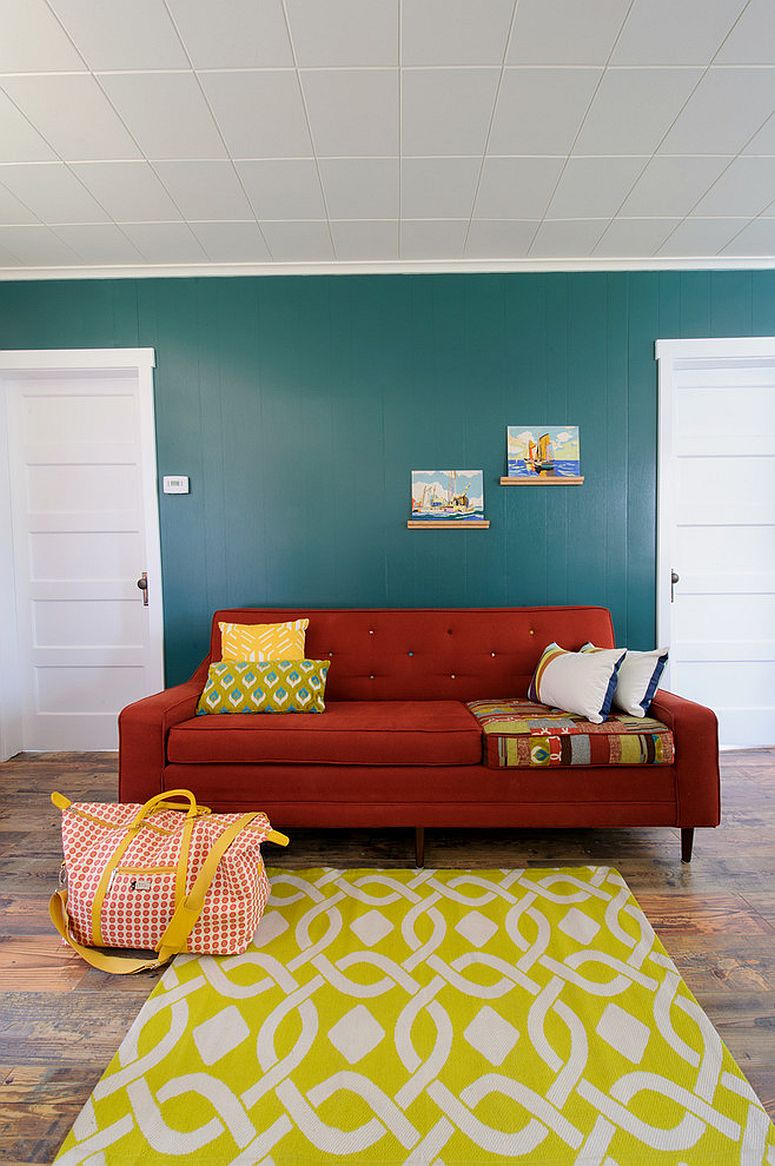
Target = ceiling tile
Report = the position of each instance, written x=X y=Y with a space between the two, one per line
x=454 y=32
x=567 y=238
x=428 y=239
x=167 y=114
x=764 y=141
x=353 y=111
x=438 y=188
x=360 y=188
x=447 y=111
x=32 y=39
x=361 y=239
x=261 y=114
x=165 y=242
x=671 y=185
x=73 y=114
x=516 y=188
x=704 y=238
x=594 y=187
x=752 y=40
x=756 y=239
x=53 y=193
x=747 y=187
x=11 y=210
x=539 y=111
x=634 y=238
x=37 y=247
x=283 y=188
x=130 y=192
x=662 y=32
x=633 y=108
x=205 y=190
x=19 y=141
x=114 y=34
x=499 y=239
x=298 y=242
x=727 y=107
x=232 y=242
x=344 y=32
x=565 y=32
x=99 y=243
x=234 y=34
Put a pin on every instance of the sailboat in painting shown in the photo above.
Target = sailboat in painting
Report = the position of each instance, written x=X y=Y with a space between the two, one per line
x=548 y=452
x=448 y=495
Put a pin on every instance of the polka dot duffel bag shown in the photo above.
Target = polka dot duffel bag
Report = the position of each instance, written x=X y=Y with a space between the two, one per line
x=168 y=877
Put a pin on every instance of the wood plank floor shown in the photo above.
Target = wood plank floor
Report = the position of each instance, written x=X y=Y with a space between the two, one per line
x=60 y=1022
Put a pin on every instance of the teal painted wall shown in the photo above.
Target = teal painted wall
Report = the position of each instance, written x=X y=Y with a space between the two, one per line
x=299 y=406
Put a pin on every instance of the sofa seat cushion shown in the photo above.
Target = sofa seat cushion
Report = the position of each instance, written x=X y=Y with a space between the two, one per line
x=519 y=734
x=395 y=732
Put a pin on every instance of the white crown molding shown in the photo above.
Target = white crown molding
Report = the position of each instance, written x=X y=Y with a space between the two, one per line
x=387 y=267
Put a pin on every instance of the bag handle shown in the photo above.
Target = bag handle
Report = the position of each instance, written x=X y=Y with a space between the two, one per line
x=180 y=926
x=167 y=801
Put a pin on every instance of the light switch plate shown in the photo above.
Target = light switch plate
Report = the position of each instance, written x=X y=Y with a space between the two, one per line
x=175 y=484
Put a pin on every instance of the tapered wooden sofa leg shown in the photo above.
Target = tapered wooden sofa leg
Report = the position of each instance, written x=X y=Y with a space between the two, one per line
x=687 y=841
x=419 y=845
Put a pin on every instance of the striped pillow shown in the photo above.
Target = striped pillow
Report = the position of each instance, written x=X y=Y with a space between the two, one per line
x=578 y=682
x=639 y=676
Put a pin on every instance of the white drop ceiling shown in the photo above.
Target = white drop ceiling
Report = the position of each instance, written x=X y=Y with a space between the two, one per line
x=275 y=135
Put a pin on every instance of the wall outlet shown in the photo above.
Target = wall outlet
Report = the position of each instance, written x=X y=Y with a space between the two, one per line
x=175 y=484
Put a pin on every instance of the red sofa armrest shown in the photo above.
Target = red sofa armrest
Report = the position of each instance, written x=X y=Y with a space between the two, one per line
x=142 y=736
x=695 y=733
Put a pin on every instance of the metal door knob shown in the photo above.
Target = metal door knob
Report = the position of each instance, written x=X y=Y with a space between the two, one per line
x=142 y=583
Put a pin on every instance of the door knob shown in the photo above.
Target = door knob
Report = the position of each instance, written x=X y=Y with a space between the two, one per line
x=142 y=583
x=674 y=578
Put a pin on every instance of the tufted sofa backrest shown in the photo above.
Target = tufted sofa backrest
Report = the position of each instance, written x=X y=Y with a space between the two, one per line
x=431 y=653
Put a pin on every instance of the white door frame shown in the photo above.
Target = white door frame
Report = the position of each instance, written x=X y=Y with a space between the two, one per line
x=672 y=355
x=73 y=360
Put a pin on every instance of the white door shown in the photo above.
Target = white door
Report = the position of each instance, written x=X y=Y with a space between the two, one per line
x=717 y=530
x=84 y=518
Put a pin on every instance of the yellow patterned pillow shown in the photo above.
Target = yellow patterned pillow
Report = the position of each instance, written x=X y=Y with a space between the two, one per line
x=263 y=641
x=276 y=686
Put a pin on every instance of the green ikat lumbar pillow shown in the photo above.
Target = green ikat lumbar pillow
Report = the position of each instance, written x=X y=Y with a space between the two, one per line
x=277 y=686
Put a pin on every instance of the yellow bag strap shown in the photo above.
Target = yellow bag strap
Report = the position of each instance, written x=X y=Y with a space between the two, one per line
x=180 y=926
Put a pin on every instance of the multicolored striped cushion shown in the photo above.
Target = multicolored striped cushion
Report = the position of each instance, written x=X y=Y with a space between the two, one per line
x=581 y=682
x=520 y=734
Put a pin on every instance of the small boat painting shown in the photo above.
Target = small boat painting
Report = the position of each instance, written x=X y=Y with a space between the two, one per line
x=448 y=495
x=548 y=451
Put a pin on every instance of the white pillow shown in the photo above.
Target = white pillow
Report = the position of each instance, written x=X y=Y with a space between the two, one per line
x=579 y=682
x=638 y=679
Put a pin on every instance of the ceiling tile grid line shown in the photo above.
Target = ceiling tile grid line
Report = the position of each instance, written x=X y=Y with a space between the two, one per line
x=234 y=168
x=486 y=144
x=675 y=122
x=128 y=238
x=305 y=107
x=581 y=123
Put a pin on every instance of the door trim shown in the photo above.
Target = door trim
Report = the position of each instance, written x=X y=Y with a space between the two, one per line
x=672 y=355
x=74 y=360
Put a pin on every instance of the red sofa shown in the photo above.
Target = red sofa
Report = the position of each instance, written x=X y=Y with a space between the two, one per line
x=397 y=745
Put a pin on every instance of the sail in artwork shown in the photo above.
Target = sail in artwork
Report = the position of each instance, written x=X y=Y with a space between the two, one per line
x=548 y=451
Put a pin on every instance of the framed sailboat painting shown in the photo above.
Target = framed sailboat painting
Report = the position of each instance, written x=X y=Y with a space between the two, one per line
x=447 y=499
x=542 y=455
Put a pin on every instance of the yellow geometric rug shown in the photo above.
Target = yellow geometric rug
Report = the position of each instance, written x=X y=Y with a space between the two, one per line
x=433 y=1018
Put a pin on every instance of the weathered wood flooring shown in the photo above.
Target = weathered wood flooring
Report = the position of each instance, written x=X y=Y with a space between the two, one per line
x=60 y=1022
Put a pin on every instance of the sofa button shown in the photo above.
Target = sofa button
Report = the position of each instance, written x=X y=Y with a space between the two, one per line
x=410 y=653
x=452 y=676
x=372 y=676
x=532 y=631
x=492 y=653
x=330 y=653
x=371 y=631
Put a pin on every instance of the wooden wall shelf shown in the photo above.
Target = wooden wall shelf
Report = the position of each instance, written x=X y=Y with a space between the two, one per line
x=449 y=525
x=569 y=481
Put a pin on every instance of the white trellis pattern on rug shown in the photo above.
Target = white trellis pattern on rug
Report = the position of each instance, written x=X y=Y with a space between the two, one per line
x=431 y=1017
